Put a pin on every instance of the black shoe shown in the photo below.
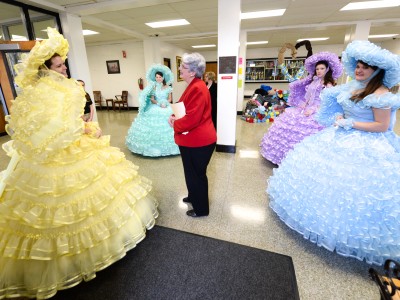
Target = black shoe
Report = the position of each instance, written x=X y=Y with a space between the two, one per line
x=383 y=283
x=186 y=200
x=191 y=213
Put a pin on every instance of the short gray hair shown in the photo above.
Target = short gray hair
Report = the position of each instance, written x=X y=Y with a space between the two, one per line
x=195 y=62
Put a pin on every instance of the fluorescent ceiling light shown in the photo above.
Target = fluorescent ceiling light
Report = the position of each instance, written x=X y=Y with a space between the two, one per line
x=374 y=36
x=371 y=4
x=314 y=39
x=262 y=14
x=89 y=32
x=84 y=32
x=257 y=43
x=168 y=23
x=203 y=46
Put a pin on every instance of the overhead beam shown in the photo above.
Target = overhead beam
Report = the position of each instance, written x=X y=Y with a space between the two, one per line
x=46 y=4
x=114 y=5
x=328 y=24
x=110 y=26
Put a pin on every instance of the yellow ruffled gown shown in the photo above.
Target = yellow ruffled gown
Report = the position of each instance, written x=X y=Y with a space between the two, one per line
x=73 y=204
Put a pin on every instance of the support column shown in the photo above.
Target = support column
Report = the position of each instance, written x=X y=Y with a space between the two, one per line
x=359 y=31
x=77 y=57
x=228 y=52
x=152 y=52
x=241 y=70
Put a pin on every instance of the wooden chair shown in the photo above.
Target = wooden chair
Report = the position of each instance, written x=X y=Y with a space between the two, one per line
x=97 y=99
x=122 y=100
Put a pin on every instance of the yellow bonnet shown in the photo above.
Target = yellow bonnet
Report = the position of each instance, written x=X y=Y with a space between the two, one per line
x=27 y=70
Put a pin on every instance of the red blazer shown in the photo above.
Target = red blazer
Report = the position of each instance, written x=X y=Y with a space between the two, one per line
x=197 y=121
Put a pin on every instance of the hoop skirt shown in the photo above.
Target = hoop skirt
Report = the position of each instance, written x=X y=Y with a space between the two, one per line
x=150 y=134
x=339 y=188
x=293 y=125
x=288 y=129
x=72 y=204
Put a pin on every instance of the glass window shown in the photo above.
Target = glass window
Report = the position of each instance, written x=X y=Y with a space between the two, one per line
x=17 y=32
x=12 y=28
x=40 y=22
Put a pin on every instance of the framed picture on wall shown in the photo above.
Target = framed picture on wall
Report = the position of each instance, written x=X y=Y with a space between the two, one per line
x=113 y=67
x=167 y=62
x=178 y=72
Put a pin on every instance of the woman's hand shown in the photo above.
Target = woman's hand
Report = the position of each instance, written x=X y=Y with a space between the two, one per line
x=303 y=105
x=308 y=112
x=98 y=133
x=345 y=123
x=93 y=129
x=339 y=117
x=171 y=120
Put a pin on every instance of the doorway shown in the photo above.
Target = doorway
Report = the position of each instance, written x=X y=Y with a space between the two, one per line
x=10 y=53
x=212 y=67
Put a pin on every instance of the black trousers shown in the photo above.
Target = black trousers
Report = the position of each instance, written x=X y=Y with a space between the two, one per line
x=195 y=161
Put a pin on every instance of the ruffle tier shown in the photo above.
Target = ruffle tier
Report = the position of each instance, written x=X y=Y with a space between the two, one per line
x=65 y=219
x=46 y=117
x=288 y=129
x=347 y=199
x=151 y=135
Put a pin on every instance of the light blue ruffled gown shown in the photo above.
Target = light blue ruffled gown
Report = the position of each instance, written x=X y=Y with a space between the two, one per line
x=150 y=134
x=340 y=188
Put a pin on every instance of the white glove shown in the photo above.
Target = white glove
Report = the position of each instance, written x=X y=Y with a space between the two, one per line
x=345 y=123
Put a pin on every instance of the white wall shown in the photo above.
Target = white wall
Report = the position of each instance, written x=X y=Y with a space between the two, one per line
x=171 y=52
x=132 y=68
x=392 y=45
x=211 y=56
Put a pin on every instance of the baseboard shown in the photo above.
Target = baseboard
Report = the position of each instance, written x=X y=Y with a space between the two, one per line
x=225 y=148
x=98 y=108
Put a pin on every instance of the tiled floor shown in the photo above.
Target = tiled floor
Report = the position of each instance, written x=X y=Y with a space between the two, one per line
x=239 y=210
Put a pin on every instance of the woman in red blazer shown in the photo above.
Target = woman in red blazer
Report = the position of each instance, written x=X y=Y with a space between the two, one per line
x=195 y=133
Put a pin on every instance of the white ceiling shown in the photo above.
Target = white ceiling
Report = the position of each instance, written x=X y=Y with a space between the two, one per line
x=123 y=20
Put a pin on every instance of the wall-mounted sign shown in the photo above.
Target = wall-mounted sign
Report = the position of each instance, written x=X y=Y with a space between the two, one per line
x=227 y=65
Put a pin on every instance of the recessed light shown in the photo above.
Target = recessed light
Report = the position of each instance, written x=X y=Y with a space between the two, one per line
x=257 y=43
x=84 y=32
x=375 y=36
x=314 y=39
x=89 y=32
x=169 y=23
x=204 y=46
x=371 y=4
x=262 y=14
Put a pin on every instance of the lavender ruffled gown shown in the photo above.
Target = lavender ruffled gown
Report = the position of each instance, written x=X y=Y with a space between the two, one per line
x=293 y=125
